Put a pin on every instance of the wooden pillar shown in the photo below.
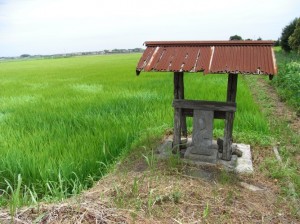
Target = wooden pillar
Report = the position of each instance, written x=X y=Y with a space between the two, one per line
x=179 y=118
x=181 y=96
x=232 y=87
x=231 y=97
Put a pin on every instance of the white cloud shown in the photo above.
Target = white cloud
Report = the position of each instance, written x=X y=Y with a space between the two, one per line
x=54 y=26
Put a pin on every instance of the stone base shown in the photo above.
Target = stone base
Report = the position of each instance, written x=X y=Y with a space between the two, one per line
x=237 y=164
x=229 y=165
x=203 y=158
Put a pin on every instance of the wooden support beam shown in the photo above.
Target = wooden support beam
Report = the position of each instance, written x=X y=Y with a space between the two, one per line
x=204 y=105
x=217 y=114
x=179 y=117
x=231 y=97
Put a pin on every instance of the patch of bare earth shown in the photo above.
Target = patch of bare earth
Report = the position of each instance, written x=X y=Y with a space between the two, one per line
x=165 y=193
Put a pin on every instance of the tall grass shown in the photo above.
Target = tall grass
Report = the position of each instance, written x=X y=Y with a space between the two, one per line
x=63 y=121
x=287 y=81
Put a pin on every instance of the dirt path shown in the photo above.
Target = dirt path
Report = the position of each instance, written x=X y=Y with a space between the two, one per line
x=280 y=108
x=290 y=122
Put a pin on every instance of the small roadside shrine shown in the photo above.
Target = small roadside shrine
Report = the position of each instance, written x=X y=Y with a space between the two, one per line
x=210 y=57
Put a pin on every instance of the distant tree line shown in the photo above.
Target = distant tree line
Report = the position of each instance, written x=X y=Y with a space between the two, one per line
x=237 y=37
x=24 y=55
x=114 y=51
x=117 y=51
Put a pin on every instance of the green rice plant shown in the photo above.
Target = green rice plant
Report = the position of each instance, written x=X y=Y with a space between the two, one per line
x=65 y=122
x=15 y=195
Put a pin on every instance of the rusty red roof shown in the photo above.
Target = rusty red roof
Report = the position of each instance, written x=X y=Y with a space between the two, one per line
x=246 y=57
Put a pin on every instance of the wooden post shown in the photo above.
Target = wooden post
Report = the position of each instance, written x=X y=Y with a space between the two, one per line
x=179 y=118
x=232 y=87
x=231 y=97
x=181 y=96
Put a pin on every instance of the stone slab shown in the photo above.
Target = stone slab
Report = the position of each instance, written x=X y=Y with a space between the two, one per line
x=244 y=163
x=237 y=164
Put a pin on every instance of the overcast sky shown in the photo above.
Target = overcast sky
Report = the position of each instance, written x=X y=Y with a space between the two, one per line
x=61 y=26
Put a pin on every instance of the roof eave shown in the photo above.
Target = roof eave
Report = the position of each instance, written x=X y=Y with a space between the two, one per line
x=209 y=43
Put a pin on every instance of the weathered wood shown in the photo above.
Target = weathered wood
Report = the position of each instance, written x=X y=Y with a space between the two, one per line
x=228 y=136
x=231 y=97
x=181 y=96
x=204 y=105
x=232 y=87
x=180 y=85
x=177 y=130
x=176 y=85
x=179 y=118
x=217 y=114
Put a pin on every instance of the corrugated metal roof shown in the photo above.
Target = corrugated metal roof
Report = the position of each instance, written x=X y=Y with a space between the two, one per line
x=246 y=57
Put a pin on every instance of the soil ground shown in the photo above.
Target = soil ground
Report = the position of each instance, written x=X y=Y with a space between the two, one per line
x=137 y=193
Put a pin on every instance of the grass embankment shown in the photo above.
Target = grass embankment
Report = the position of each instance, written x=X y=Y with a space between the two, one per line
x=284 y=128
x=284 y=124
x=64 y=121
x=287 y=82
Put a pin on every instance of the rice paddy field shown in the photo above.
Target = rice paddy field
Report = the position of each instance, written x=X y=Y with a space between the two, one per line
x=65 y=121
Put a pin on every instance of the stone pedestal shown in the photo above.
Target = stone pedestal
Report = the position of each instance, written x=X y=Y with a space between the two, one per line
x=202 y=158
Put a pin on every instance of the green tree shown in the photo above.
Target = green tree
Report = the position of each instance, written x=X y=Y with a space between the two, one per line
x=294 y=39
x=235 y=37
x=286 y=33
x=277 y=42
